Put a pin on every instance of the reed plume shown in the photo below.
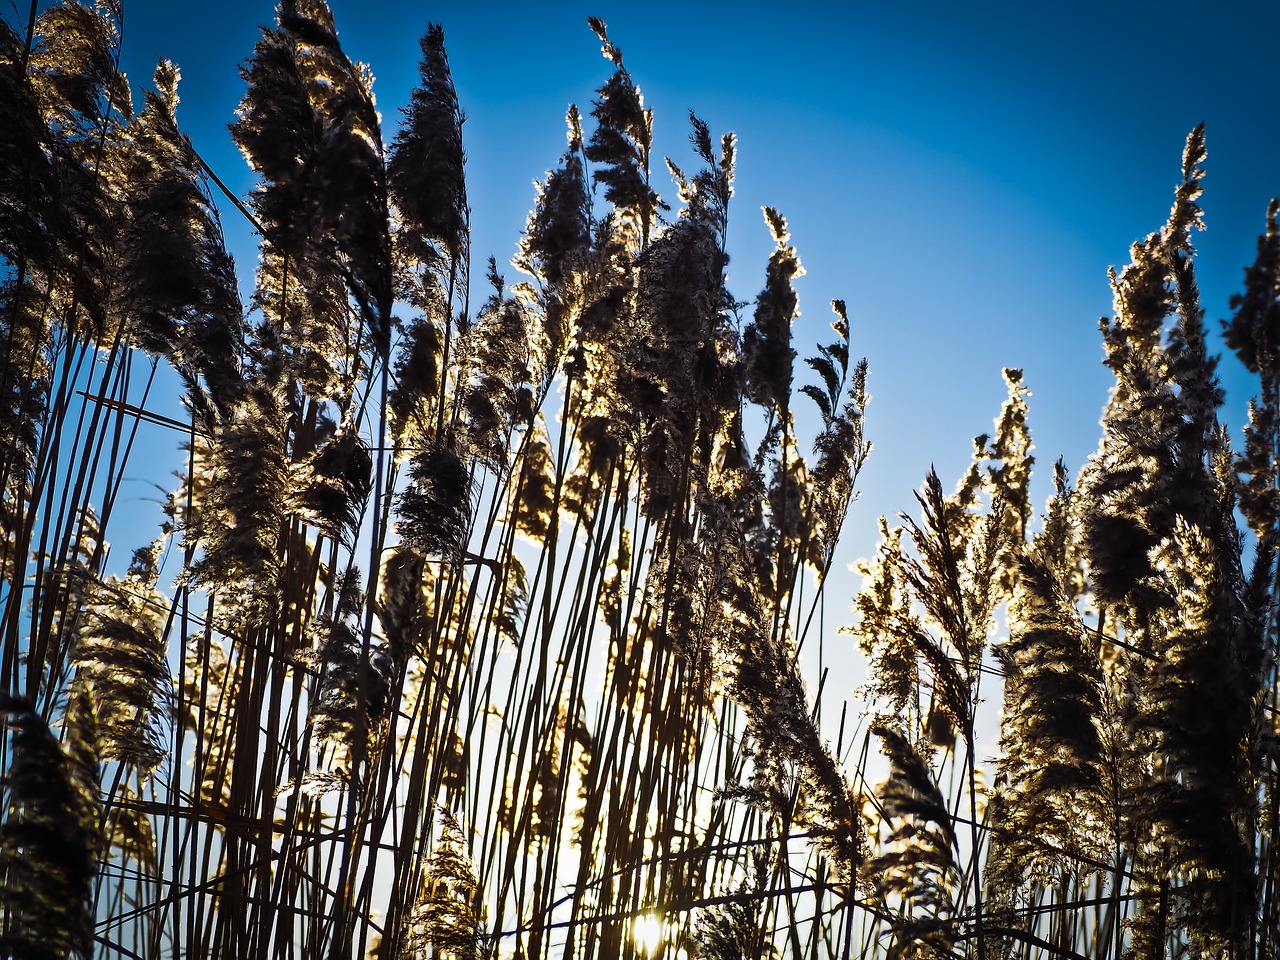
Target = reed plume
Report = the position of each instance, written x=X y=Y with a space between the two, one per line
x=601 y=542
x=49 y=837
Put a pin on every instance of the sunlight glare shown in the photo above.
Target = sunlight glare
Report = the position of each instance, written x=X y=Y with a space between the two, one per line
x=647 y=930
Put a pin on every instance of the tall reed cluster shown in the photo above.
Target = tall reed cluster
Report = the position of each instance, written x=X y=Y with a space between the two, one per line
x=474 y=627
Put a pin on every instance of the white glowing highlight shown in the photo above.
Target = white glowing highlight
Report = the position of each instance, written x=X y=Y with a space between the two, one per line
x=648 y=932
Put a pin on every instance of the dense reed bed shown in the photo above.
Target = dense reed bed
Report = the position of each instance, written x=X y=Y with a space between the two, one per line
x=474 y=624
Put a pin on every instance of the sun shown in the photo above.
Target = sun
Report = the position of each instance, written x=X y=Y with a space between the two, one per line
x=648 y=931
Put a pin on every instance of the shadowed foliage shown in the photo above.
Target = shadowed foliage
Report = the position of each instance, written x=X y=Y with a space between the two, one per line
x=592 y=704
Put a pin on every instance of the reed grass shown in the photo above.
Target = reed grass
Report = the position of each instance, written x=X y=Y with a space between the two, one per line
x=479 y=634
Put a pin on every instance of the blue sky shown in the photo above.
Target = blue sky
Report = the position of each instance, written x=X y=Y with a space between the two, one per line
x=963 y=175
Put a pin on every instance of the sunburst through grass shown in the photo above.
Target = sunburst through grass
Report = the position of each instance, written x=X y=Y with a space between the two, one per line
x=485 y=628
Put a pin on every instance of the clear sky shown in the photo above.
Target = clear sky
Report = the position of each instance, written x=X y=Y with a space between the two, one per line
x=962 y=174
